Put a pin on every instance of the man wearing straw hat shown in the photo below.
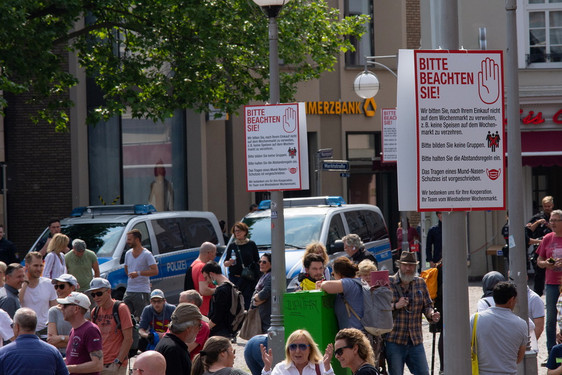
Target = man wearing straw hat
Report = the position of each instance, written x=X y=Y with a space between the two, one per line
x=404 y=344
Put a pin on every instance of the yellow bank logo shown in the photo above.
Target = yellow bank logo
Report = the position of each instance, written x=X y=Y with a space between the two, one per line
x=367 y=108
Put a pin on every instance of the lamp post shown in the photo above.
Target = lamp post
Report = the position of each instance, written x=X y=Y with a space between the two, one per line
x=276 y=333
x=366 y=85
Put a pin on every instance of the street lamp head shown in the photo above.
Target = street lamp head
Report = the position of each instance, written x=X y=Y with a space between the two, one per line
x=366 y=85
x=271 y=7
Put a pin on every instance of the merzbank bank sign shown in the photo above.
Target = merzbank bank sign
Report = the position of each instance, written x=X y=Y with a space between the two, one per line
x=366 y=108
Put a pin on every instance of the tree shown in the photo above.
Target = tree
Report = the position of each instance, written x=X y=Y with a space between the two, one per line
x=154 y=56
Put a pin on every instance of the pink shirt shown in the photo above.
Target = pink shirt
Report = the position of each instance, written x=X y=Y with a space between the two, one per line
x=551 y=246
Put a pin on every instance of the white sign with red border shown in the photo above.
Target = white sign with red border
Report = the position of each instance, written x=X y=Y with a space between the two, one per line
x=460 y=130
x=389 y=139
x=276 y=147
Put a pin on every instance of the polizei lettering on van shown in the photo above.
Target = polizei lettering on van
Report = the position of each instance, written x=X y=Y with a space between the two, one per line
x=180 y=265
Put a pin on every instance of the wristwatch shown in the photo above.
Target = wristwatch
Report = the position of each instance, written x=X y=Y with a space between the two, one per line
x=117 y=361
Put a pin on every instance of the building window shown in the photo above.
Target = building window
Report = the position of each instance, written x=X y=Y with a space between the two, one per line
x=544 y=18
x=364 y=46
x=363 y=146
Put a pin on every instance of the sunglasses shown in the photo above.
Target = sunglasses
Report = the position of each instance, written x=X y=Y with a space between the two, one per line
x=301 y=347
x=263 y=261
x=96 y=294
x=339 y=351
x=60 y=286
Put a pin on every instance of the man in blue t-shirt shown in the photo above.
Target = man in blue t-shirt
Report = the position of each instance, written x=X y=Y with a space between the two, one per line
x=155 y=319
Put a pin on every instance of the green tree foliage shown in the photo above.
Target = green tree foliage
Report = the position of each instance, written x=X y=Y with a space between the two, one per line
x=154 y=56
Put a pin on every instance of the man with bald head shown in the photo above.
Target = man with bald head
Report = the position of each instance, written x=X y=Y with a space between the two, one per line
x=207 y=252
x=150 y=363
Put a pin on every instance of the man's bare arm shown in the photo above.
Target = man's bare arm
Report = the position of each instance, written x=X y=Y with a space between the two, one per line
x=95 y=365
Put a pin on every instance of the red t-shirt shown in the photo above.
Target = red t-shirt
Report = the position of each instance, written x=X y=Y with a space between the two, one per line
x=201 y=338
x=551 y=246
x=81 y=342
x=197 y=276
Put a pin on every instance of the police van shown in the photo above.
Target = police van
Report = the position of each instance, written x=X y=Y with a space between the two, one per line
x=173 y=237
x=320 y=219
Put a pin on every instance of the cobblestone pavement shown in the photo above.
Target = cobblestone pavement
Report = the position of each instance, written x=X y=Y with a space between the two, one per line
x=474 y=294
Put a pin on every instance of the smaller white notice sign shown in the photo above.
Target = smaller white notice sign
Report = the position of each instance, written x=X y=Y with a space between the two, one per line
x=389 y=139
x=460 y=131
x=276 y=147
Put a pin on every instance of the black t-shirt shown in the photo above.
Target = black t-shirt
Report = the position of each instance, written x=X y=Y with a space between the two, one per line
x=219 y=312
x=367 y=369
x=176 y=354
x=248 y=252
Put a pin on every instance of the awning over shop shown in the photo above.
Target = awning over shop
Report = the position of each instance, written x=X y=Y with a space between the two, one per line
x=541 y=148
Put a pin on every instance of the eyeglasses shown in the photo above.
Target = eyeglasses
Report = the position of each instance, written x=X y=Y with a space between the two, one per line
x=60 y=286
x=554 y=220
x=301 y=347
x=96 y=294
x=339 y=351
x=263 y=261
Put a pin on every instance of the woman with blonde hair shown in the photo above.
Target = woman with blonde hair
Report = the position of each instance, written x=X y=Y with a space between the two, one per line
x=54 y=261
x=216 y=358
x=365 y=268
x=302 y=357
x=353 y=350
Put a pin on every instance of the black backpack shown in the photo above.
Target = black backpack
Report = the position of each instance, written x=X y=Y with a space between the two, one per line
x=188 y=283
x=135 y=345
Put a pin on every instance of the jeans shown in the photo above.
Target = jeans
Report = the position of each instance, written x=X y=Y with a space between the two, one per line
x=412 y=355
x=552 y=294
x=252 y=353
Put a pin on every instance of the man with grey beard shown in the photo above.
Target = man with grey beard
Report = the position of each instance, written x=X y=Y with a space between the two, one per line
x=404 y=344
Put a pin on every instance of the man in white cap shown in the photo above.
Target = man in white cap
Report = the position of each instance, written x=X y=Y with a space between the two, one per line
x=58 y=329
x=37 y=292
x=115 y=342
x=185 y=324
x=155 y=319
x=84 y=352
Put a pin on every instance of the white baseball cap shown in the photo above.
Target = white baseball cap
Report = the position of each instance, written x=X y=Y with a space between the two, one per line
x=75 y=298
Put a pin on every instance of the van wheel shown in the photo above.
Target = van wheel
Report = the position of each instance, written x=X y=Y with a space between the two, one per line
x=118 y=294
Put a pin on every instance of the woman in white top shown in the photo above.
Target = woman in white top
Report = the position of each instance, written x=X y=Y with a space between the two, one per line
x=302 y=357
x=54 y=261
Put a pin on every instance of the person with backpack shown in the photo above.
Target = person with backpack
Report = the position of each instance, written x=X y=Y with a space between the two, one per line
x=117 y=337
x=404 y=344
x=221 y=314
x=349 y=292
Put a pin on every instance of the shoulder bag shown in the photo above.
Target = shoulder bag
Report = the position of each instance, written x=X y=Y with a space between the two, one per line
x=247 y=272
x=473 y=348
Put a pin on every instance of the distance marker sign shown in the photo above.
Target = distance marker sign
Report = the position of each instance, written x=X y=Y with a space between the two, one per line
x=276 y=148
x=460 y=130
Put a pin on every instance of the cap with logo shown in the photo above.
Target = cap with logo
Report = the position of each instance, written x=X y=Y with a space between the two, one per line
x=98 y=283
x=66 y=278
x=75 y=298
x=157 y=293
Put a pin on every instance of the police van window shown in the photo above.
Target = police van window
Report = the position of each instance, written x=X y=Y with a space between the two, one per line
x=168 y=235
x=375 y=225
x=146 y=243
x=336 y=231
x=357 y=224
x=197 y=230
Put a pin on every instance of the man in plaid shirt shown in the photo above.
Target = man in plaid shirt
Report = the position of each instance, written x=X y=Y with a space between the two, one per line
x=404 y=344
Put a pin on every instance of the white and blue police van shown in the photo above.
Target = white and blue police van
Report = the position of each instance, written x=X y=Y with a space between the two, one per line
x=173 y=237
x=320 y=219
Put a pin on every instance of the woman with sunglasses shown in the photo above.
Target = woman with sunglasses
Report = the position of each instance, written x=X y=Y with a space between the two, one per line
x=54 y=261
x=58 y=329
x=216 y=358
x=302 y=357
x=262 y=296
x=353 y=351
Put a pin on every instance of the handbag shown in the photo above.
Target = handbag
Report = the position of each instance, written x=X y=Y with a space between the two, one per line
x=473 y=348
x=252 y=324
x=247 y=273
